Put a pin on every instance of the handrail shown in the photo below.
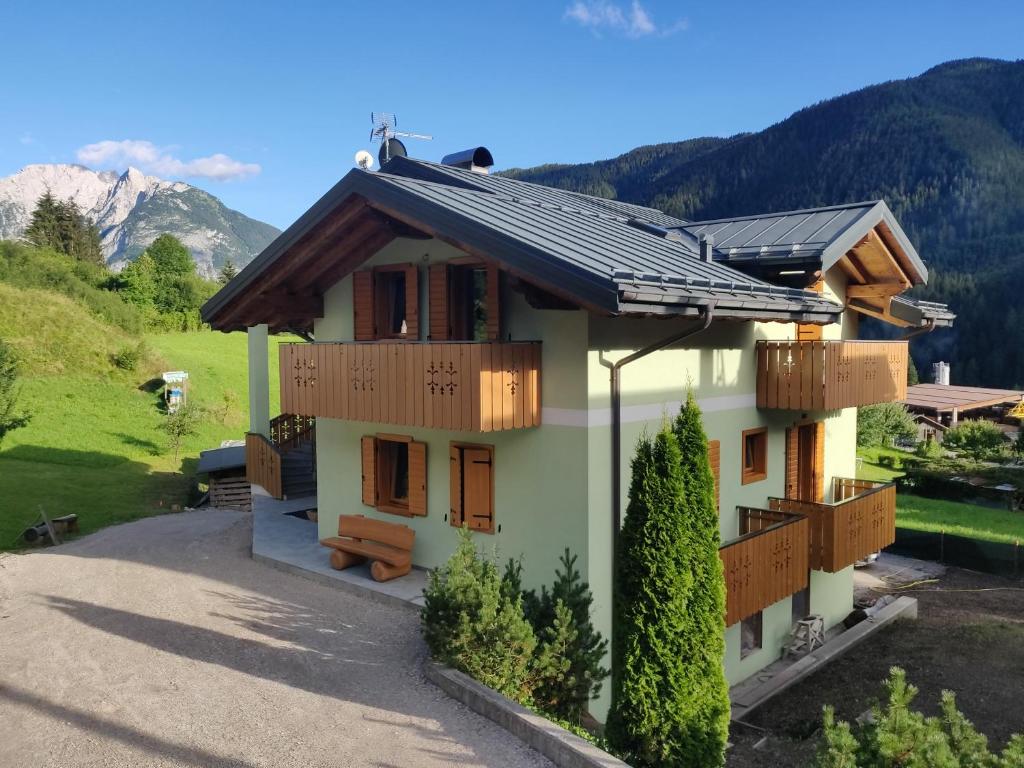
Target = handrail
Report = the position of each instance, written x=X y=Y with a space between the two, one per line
x=791 y=518
x=878 y=487
x=263 y=464
x=287 y=429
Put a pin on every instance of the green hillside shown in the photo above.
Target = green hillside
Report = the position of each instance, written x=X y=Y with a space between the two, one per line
x=945 y=150
x=94 y=445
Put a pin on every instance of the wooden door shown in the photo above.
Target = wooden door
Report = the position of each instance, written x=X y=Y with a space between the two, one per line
x=805 y=462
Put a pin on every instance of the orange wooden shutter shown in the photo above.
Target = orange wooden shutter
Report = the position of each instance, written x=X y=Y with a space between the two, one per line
x=369 y=446
x=412 y=302
x=715 y=458
x=362 y=303
x=493 y=304
x=417 y=478
x=437 y=280
x=455 y=486
x=819 y=461
x=808 y=332
x=477 y=496
x=792 y=463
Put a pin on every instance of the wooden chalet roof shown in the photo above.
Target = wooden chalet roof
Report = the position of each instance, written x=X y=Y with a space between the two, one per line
x=943 y=398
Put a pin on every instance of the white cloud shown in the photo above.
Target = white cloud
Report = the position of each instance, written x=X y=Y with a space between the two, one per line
x=153 y=159
x=634 y=21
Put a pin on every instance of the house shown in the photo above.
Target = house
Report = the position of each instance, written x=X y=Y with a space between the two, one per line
x=929 y=429
x=484 y=351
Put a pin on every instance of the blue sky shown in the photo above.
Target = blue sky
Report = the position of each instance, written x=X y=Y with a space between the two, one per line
x=265 y=104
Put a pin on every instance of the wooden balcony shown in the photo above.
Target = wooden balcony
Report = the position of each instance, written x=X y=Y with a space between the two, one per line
x=263 y=464
x=861 y=521
x=464 y=386
x=766 y=563
x=828 y=375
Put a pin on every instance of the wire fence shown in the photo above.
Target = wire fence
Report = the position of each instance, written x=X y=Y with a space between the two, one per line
x=974 y=554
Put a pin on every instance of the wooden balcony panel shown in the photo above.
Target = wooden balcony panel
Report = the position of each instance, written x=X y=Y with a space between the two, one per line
x=263 y=464
x=767 y=563
x=828 y=375
x=463 y=386
x=862 y=521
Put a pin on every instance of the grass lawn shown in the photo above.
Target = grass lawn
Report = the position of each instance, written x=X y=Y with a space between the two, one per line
x=976 y=522
x=870 y=469
x=95 y=447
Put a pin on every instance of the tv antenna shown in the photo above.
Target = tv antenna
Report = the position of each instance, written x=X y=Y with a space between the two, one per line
x=385 y=130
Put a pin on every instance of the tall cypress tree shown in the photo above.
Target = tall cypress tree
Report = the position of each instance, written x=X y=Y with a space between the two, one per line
x=670 y=703
x=707 y=700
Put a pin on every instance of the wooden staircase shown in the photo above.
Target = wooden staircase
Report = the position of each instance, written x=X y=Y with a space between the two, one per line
x=285 y=464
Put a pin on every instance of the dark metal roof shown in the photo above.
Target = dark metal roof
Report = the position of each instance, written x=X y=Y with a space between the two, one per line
x=486 y=182
x=819 y=234
x=219 y=459
x=604 y=257
x=919 y=312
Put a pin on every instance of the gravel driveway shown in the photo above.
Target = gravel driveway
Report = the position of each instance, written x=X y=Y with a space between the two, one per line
x=161 y=643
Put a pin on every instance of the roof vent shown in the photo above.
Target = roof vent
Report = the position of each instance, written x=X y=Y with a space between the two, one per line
x=707 y=247
x=477 y=159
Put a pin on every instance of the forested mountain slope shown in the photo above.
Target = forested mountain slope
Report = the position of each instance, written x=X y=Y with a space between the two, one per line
x=944 y=149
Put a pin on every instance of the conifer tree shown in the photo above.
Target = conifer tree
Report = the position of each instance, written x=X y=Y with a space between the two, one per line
x=654 y=720
x=227 y=272
x=44 y=227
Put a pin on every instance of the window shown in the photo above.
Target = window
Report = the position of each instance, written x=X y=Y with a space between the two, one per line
x=471 y=489
x=385 y=300
x=755 y=455
x=464 y=298
x=751 y=634
x=394 y=474
x=800 y=606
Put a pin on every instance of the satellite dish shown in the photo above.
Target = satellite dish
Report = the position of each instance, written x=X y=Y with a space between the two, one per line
x=391 y=148
x=364 y=159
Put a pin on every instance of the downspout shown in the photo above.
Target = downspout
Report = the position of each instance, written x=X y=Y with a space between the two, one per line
x=707 y=313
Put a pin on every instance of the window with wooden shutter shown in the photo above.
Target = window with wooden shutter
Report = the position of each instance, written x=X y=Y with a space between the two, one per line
x=369 y=451
x=819 y=461
x=792 y=463
x=362 y=303
x=394 y=476
x=455 y=485
x=715 y=459
x=464 y=301
x=810 y=331
x=437 y=278
x=755 y=455
x=472 y=487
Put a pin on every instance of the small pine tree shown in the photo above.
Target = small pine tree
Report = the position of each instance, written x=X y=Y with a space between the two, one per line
x=913 y=377
x=44 y=227
x=227 y=272
x=896 y=735
x=469 y=624
x=11 y=417
x=568 y=696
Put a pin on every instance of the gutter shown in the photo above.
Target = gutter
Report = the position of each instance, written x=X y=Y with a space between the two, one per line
x=707 y=313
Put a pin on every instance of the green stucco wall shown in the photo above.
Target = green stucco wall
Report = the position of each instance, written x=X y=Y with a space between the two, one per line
x=553 y=482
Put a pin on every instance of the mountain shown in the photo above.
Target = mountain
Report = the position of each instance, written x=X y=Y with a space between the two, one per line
x=945 y=149
x=132 y=209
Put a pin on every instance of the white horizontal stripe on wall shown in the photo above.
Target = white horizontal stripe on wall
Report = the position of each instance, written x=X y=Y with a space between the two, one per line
x=631 y=414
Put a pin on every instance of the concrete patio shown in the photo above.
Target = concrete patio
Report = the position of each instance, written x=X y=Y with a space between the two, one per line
x=290 y=543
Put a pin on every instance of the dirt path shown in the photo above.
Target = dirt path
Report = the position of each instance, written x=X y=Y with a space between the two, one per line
x=969 y=638
x=161 y=643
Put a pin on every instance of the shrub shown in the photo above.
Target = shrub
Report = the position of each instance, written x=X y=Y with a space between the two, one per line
x=882 y=423
x=127 y=358
x=978 y=440
x=567 y=696
x=11 y=417
x=669 y=696
x=898 y=736
x=472 y=624
x=928 y=449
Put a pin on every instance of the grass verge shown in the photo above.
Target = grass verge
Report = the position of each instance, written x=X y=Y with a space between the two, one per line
x=922 y=514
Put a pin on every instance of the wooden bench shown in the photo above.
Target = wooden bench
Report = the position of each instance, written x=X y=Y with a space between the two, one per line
x=388 y=545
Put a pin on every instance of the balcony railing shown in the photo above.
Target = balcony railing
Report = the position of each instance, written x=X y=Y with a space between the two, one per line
x=466 y=386
x=263 y=464
x=766 y=563
x=828 y=375
x=860 y=522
